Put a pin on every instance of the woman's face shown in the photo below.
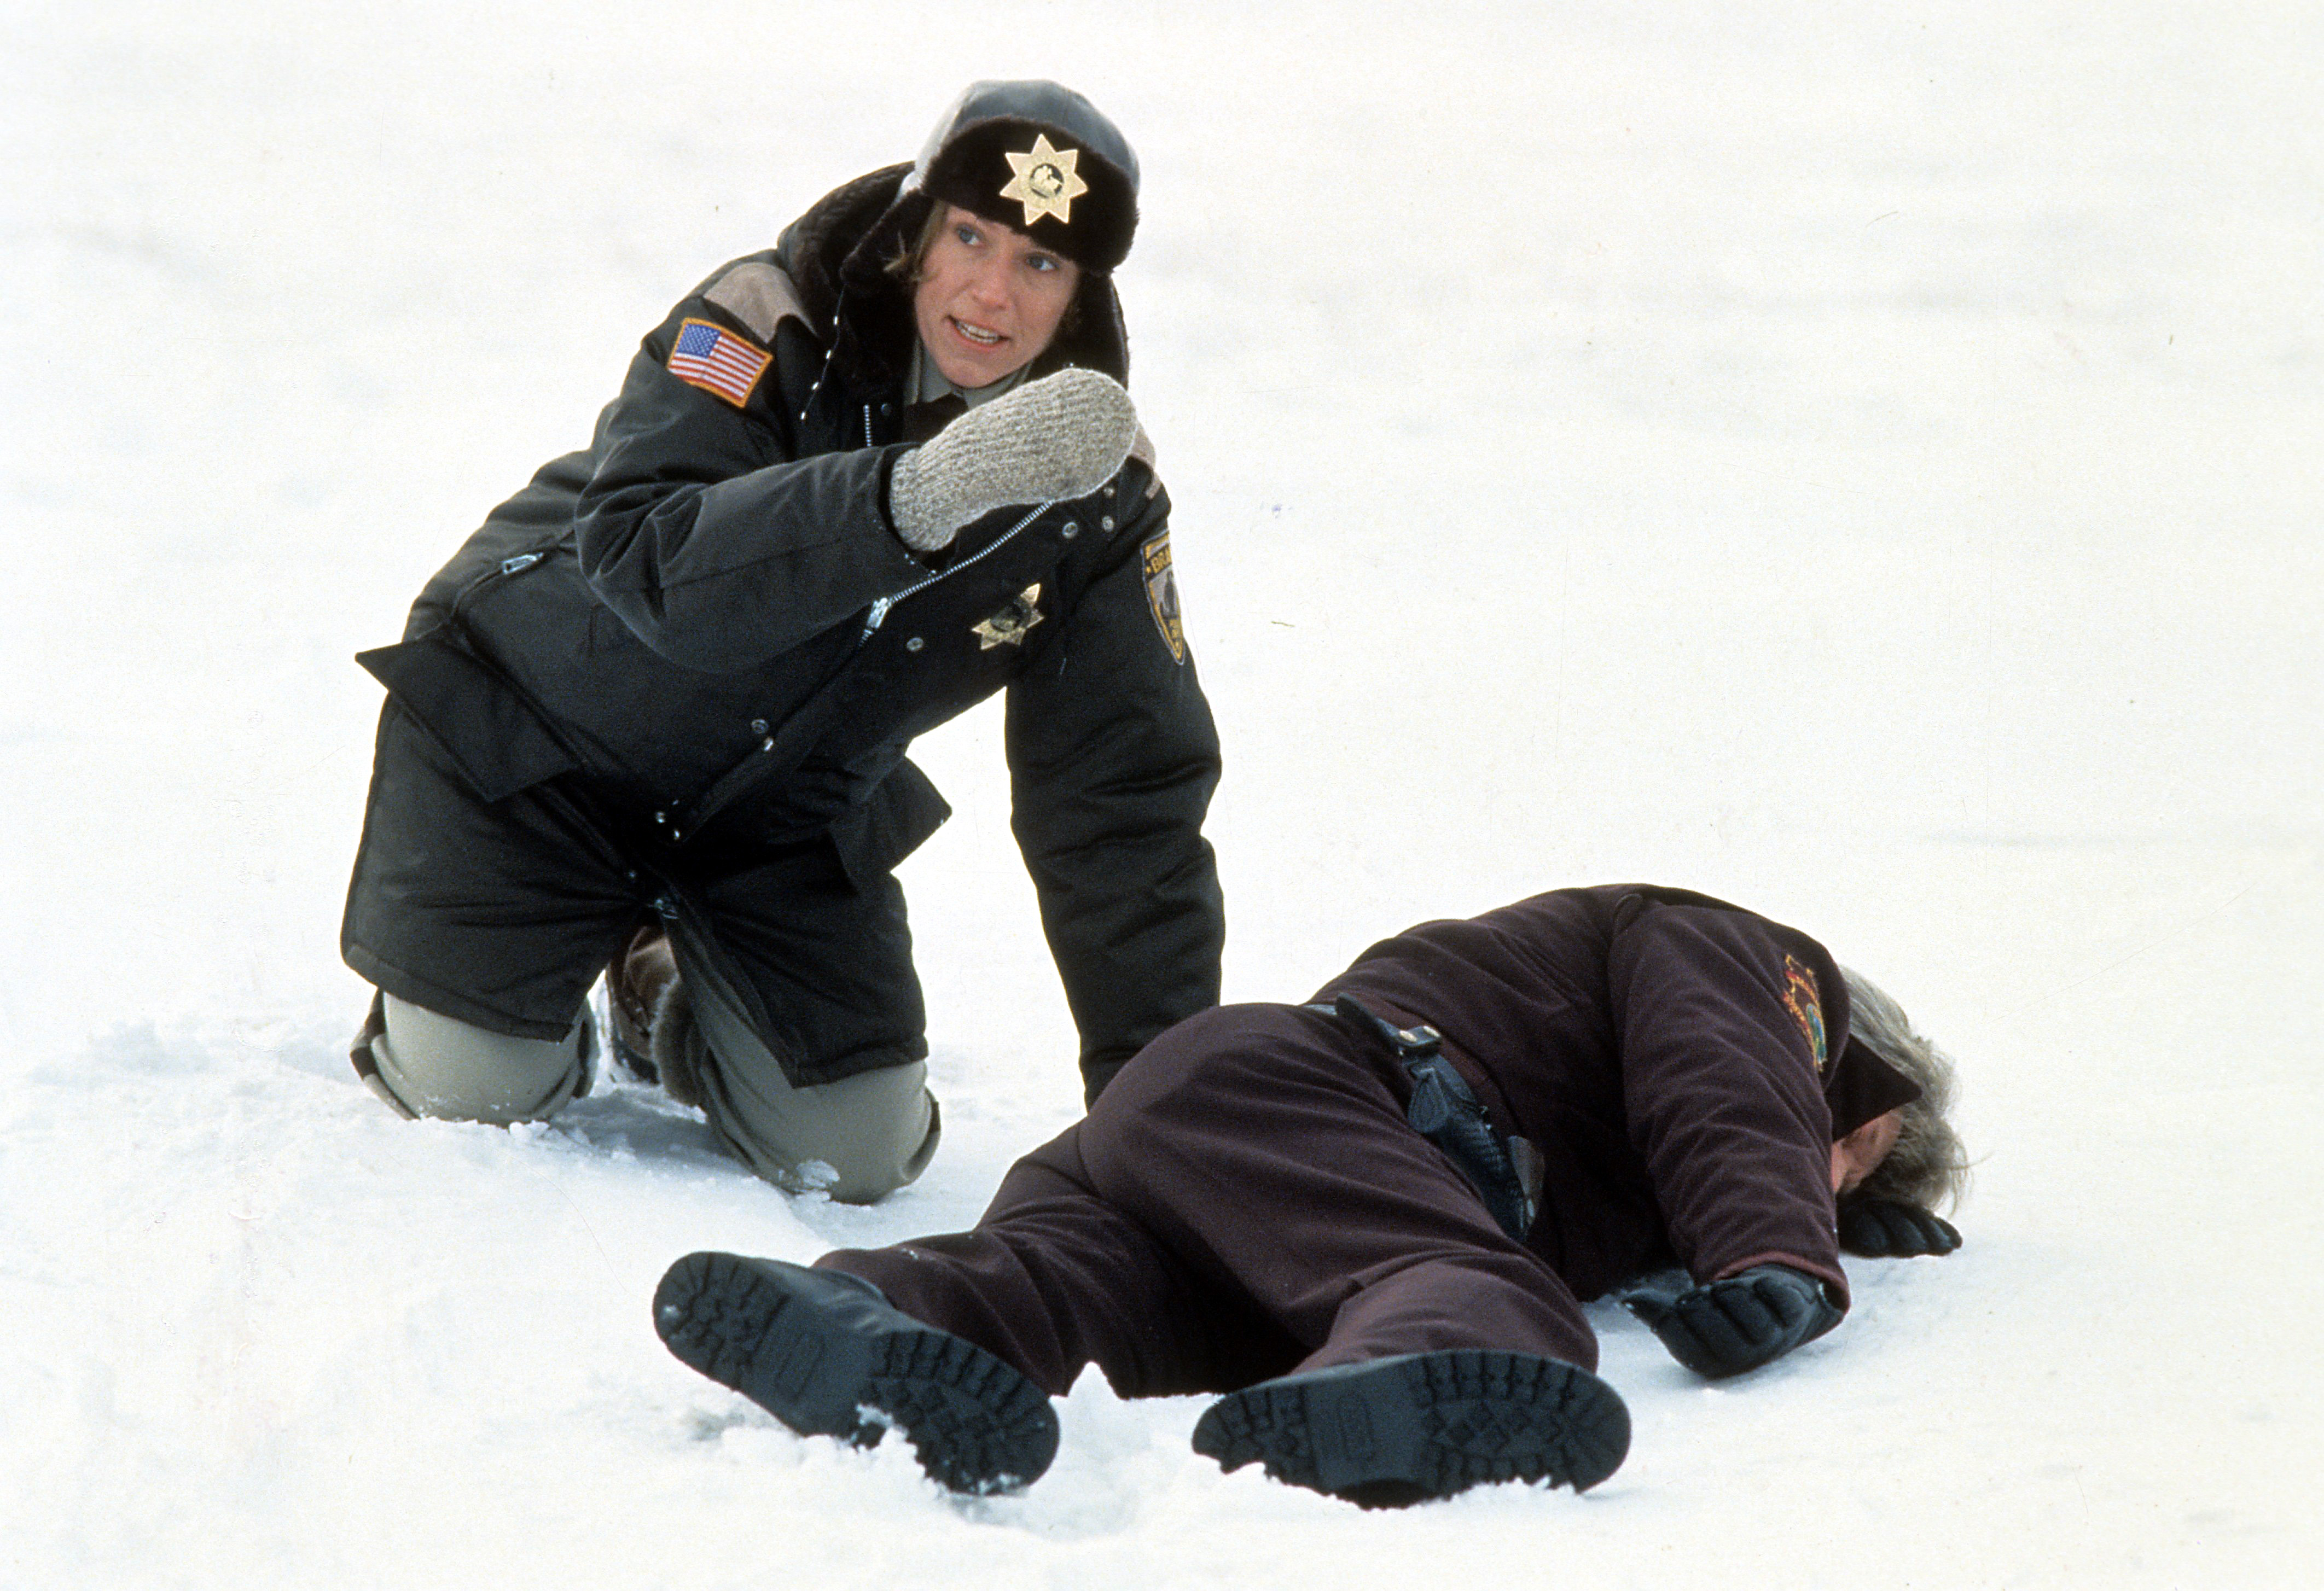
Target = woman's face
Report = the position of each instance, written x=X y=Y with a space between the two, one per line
x=988 y=299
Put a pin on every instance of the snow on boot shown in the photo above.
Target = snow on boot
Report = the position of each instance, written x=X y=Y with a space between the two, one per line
x=1397 y=1431
x=818 y=1348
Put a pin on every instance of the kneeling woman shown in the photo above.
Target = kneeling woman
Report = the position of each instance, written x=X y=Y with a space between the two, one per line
x=654 y=713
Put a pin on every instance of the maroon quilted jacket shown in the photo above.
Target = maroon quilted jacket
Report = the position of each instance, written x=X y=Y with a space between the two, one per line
x=1682 y=1065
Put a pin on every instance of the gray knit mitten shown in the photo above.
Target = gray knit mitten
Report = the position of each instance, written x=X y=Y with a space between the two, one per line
x=1064 y=436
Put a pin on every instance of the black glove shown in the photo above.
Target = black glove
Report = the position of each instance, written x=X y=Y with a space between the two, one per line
x=1882 y=1228
x=1740 y=1323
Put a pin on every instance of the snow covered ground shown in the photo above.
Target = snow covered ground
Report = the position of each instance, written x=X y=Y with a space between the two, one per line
x=1862 y=462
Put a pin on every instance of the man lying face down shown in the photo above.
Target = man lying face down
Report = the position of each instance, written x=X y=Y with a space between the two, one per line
x=1368 y=1220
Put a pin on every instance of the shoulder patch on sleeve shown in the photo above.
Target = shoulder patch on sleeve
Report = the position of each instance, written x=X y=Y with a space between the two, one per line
x=1804 y=1001
x=715 y=360
x=1162 y=593
x=759 y=296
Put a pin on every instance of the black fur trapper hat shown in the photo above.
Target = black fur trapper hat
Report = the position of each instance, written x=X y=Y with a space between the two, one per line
x=1039 y=157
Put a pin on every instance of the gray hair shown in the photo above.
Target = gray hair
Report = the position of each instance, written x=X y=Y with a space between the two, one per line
x=1928 y=1167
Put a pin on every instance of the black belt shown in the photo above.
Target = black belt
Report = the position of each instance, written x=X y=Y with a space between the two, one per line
x=1504 y=1170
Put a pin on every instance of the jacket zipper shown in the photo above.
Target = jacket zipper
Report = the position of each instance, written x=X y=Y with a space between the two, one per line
x=879 y=606
x=695 y=815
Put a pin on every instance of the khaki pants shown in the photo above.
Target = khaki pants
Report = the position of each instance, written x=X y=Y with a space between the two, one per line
x=856 y=1140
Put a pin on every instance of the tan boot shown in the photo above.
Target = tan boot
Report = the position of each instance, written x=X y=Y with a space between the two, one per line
x=652 y=1015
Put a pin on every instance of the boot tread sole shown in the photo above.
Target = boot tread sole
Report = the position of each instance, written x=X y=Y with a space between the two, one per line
x=1428 y=1425
x=757 y=1326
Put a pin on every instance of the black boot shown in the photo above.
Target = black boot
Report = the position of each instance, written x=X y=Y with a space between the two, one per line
x=813 y=1348
x=1388 y=1432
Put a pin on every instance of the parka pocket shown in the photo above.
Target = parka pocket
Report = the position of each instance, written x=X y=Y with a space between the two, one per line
x=482 y=722
x=904 y=810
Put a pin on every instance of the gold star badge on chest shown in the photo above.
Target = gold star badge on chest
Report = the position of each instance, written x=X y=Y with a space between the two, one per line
x=1008 y=627
x=1046 y=183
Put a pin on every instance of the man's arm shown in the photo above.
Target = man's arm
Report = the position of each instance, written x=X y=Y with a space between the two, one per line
x=1721 y=1059
x=1739 y=1322
x=1112 y=758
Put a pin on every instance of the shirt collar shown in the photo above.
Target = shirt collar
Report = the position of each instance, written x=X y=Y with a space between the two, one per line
x=926 y=383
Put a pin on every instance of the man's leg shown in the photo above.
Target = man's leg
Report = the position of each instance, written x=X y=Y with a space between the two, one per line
x=1053 y=1279
x=823 y=1353
x=956 y=1339
x=1059 y=1273
x=1244 y=1201
x=1266 y=1147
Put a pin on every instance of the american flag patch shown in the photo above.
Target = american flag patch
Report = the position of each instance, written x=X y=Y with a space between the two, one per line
x=717 y=360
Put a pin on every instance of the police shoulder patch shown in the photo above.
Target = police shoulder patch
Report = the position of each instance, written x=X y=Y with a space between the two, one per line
x=717 y=360
x=1804 y=1001
x=1162 y=594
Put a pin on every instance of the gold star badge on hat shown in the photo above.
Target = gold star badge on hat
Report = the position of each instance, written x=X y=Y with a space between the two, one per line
x=1046 y=183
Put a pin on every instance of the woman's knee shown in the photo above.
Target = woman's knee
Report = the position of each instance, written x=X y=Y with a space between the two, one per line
x=429 y=1064
x=857 y=1140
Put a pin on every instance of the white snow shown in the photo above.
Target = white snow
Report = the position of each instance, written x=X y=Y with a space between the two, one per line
x=1862 y=462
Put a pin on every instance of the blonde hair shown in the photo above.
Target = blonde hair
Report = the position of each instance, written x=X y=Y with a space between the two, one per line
x=1928 y=1167
x=908 y=262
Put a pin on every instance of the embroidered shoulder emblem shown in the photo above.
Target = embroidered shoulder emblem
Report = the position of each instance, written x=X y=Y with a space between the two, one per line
x=1805 y=1003
x=1162 y=595
x=715 y=360
x=1008 y=627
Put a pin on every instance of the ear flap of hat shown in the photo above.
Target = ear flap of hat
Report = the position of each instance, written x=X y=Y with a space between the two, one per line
x=1036 y=178
x=1862 y=1085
